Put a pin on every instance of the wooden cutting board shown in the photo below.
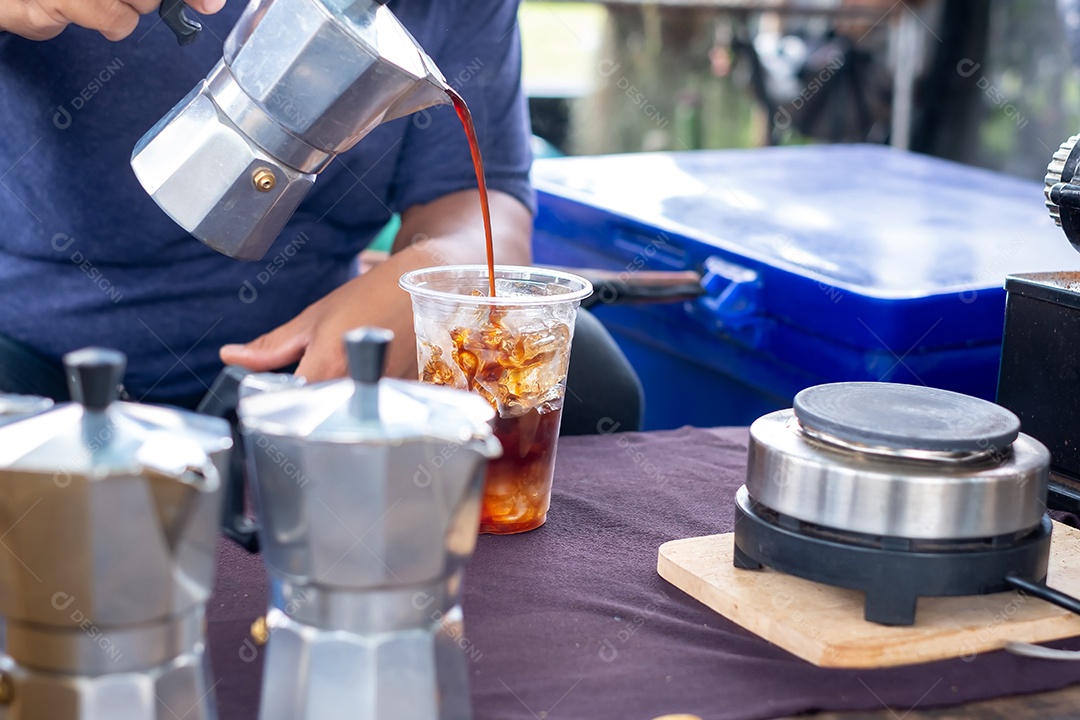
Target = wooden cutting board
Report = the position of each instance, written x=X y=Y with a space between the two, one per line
x=825 y=626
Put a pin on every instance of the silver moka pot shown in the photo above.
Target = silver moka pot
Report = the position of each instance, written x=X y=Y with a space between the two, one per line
x=109 y=515
x=16 y=407
x=368 y=494
x=300 y=82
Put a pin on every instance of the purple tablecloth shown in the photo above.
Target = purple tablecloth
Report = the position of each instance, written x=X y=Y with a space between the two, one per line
x=572 y=621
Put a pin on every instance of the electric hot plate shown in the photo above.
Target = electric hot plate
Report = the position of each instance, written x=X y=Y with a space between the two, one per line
x=899 y=491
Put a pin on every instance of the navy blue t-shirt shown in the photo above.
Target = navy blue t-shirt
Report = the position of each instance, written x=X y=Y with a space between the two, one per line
x=87 y=258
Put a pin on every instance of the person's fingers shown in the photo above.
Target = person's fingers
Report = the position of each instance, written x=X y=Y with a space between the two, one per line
x=112 y=18
x=323 y=361
x=143 y=7
x=31 y=21
x=206 y=7
x=36 y=32
x=274 y=350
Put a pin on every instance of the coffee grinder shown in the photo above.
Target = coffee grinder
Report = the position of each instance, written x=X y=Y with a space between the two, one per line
x=1040 y=355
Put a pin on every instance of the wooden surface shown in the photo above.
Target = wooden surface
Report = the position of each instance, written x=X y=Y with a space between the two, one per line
x=825 y=626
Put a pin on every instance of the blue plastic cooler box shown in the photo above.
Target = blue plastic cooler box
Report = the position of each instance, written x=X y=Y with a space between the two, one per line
x=822 y=264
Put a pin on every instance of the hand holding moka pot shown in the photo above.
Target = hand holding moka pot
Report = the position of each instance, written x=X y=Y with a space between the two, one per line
x=300 y=82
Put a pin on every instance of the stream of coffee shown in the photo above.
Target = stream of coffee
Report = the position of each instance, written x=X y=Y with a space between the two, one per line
x=518 y=373
x=478 y=165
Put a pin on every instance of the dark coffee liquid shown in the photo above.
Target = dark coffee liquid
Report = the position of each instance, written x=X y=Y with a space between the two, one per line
x=478 y=165
x=517 y=489
x=516 y=373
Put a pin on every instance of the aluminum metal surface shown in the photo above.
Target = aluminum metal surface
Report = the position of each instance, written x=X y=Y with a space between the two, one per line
x=324 y=412
x=118 y=510
x=198 y=167
x=112 y=512
x=94 y=650
x=891 y=453
x=415 y=674
x=252 y=121
x=366 y=611
x=16 y=407
x=331 y=71
x=300 y=82
x=367 y=515
x=368 y=492
x=181 y=688
x=69 y=440
x=847 y=491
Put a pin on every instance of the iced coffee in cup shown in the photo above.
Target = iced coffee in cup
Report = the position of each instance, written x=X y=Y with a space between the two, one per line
x=513 y=349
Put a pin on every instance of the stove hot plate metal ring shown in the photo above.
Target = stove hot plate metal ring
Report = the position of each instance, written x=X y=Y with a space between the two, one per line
x=940 y=457
x=866 y=493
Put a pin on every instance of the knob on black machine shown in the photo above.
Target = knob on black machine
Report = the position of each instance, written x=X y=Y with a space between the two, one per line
x=1063 y=189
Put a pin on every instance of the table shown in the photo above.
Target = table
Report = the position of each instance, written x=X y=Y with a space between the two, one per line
x=1037 y=706
x=572 y=621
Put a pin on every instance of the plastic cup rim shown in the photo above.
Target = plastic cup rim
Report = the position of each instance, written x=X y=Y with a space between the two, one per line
x=575 y=296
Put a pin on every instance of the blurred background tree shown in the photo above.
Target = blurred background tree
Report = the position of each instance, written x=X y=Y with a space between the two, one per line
x=987 y=82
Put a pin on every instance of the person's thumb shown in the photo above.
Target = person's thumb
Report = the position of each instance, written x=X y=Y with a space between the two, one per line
x=276 y=349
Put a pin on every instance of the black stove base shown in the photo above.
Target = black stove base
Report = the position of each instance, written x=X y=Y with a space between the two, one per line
x=893 y=572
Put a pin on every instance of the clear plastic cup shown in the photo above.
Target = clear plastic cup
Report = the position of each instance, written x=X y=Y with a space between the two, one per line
x=513 y=350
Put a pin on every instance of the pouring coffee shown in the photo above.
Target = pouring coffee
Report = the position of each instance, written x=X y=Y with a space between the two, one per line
x=301 y=81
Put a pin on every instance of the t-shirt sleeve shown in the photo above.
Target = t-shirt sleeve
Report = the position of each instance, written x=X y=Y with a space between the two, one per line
x=480 y=58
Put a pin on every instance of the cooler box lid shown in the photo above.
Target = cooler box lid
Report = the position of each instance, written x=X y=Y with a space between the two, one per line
x=861 y=243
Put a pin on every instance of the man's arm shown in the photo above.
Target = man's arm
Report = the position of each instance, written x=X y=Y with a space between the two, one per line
x=45 y=19
x=446 y=231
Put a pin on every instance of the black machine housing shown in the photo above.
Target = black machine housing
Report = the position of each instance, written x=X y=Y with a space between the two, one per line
x=1039 y=378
